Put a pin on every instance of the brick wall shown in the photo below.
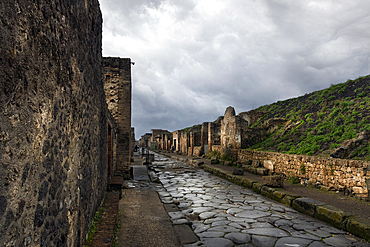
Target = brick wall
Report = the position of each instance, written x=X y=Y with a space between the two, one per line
x=53 y=128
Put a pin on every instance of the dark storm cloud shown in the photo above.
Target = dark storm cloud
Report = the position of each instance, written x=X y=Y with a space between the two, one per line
x=194 y=58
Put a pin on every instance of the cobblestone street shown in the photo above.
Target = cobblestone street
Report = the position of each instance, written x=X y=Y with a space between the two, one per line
x=224 y=214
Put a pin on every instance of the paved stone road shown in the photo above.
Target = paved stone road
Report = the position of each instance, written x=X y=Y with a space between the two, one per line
x=224 y=214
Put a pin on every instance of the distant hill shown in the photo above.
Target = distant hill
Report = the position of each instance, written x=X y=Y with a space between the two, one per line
x=318 y=123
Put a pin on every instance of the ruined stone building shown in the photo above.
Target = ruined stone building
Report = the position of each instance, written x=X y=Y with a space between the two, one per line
x=160 y=139
x=59 y=145
x=227 y=132
x=145 y=140
x=117 y=85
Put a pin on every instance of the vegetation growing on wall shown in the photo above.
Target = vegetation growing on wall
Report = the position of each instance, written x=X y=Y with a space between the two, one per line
x=319 y=122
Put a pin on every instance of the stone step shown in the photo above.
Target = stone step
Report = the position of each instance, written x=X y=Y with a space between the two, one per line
x=139 y=172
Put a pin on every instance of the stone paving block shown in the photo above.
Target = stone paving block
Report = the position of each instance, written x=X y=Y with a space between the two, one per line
x=238 y=238
x=270 y=232
x=318 y=244
x=263 y=241
x=359 y=227
x=217 y=242
x=332 y=215
x=290 y=241
x=306 y=205
x=340 y=241
x=185 y=234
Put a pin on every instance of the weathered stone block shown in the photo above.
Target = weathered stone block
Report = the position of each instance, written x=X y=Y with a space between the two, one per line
x=269 y=164
x=273 y=181
x=250 y=169
x=359 y=227
x=256 y=163
x=267 y=191
x=306 y=205
x=262 y=171
x=227 y=163
x=289 y=198
x=238 y=172
x=248 y=183
x=257 y=187
x=332 y=215
x=278 y=195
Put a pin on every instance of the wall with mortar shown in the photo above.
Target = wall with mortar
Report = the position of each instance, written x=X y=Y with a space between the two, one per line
x=335 y=174
x=117 y=84
x=53 y=129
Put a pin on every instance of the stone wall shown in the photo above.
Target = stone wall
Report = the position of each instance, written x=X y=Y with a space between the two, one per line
x=117 y=85
x=232 y=130
x=335 y=174
x=214 y=136
x=53 y=127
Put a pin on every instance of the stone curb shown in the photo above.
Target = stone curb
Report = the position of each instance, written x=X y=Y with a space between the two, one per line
x=322 y=211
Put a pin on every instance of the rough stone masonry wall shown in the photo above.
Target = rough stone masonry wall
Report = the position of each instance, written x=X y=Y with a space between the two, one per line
x=117 y=86
x=332 y=173
x=52 y=121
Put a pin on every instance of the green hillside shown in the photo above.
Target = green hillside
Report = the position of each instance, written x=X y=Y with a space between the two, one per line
x=319 y=122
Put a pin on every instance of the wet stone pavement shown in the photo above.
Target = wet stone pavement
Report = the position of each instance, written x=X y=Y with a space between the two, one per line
x=224 y=214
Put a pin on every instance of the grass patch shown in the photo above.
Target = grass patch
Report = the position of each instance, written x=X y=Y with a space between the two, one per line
x=97 y=218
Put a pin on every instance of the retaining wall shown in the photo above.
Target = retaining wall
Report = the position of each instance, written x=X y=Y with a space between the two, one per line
x=333 y=173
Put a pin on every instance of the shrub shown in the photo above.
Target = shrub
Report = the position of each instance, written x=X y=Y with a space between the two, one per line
x=294 y=180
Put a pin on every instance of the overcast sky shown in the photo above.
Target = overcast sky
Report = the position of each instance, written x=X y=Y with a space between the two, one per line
x=194 y=58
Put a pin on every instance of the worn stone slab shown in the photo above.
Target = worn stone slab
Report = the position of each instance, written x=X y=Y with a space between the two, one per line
x=339 y=241
x=257 y=187
x=211 y=234
x=271 y=232
x=206 y=215
x=273 y=181
x=199 y=210
x=185 y=234
x=359 y=226
x=252 y=214
x=332 y=215
x=306 y=205
x=290 y=241
x=238 y=238
x=263 y=241
x=223 y=229
x=318 y=244
x=217 y=242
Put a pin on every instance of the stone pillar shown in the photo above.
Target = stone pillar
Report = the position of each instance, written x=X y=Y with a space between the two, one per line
x=117 y=84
